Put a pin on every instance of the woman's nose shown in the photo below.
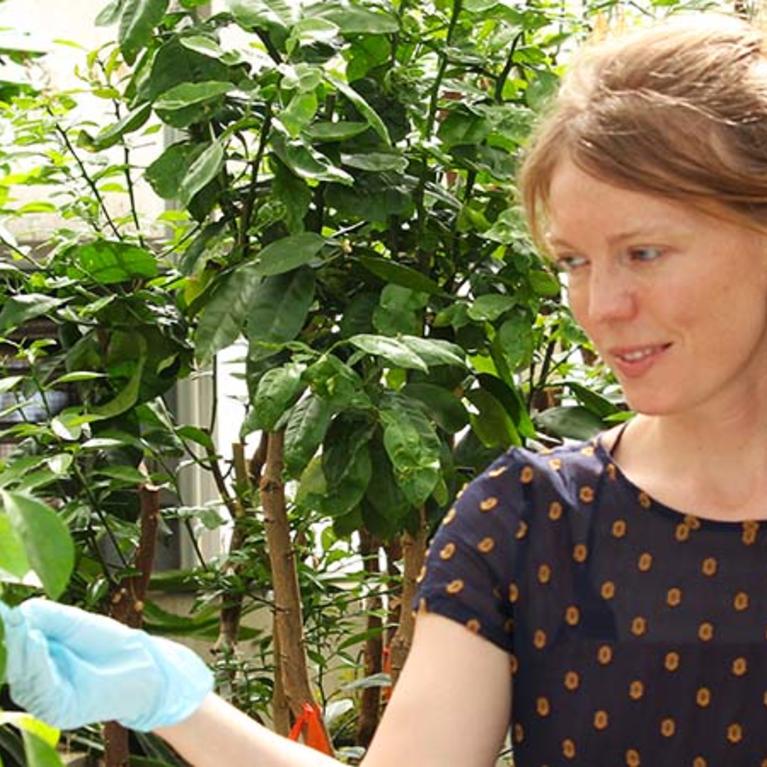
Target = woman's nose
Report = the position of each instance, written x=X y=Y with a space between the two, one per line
x=611 y=295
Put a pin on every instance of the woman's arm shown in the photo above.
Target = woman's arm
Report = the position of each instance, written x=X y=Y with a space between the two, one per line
x=451 y=708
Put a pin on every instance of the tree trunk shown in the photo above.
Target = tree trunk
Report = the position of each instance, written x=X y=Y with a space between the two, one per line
x=127 y=606
x=371 y=696
x=288 y=617
x=280 y=707
x=413 y=553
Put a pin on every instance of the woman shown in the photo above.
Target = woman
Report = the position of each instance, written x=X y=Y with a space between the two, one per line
x=614 y=587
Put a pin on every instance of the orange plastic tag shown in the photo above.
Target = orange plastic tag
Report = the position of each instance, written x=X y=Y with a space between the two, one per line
x=309 y=724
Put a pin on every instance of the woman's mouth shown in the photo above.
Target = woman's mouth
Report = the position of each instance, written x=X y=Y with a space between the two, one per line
x=633 y=361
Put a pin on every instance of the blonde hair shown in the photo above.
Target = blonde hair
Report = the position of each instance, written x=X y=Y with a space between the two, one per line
x=678 y=109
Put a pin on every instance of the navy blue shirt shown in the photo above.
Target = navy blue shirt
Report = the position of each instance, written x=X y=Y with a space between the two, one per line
x=636 y=634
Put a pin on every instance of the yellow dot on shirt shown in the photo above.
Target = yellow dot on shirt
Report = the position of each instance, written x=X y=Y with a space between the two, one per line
x=644 y=563
x=519 y=733
x=734 y=733
x=539 y=639
x=497 y=472
x=486 y=545
x=462 y=490
x=580 y=552
x=542 y=706
x=572 y=615
x=619 y=528
x=555 y=510
x=447 y=551
x=450 y=516
x=706 y=631
x=601 y=720
x=573 y=681
x=632 y=758
x=555 y=464
x=473 y=625
x=513 y=664
x=455 y=587
x=612 y=471
x=526 y=475
x=568 y=748
x=750 y=529
x=740 y=601
x=639 y=626
x=644 y=500
x=608 y=590
x=739 y=666
x=699 y=761
x=488 y=504
x=521 y=530
x=544 y=574
x=636 y=689
x=421 y=574
x=692 y=522
x=588 y=450
x=667 y=727
x=586 y=494
x=673 y=597
x=709 y=566
x=682 y=532
x=605 y=654
x=508 y=625
x=513 y=592
x=671 y=661
x=703 y=697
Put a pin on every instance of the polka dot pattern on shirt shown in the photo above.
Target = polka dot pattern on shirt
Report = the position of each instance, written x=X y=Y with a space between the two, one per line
x=637 y=635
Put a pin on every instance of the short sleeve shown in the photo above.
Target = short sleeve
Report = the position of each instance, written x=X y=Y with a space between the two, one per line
x=469 y=571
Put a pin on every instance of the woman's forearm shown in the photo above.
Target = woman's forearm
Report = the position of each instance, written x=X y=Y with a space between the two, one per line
x=218 y=734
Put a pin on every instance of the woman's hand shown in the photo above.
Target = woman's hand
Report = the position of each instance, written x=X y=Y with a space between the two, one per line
x=69 y=668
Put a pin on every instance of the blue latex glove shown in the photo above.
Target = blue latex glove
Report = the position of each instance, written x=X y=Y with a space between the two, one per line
x=69 y=668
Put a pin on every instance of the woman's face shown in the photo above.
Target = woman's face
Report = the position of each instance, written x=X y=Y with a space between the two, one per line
x=674 y=300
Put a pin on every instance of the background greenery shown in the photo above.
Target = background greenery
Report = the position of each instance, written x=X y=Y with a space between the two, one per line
x=340 y=195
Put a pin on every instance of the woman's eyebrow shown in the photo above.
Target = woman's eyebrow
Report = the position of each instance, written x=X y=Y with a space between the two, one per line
x=649 y=231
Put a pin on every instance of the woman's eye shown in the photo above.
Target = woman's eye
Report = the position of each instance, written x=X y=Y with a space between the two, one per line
x=569 y=263
x=645 y=254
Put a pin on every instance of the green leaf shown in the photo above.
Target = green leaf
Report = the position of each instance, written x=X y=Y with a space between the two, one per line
x=412 y=446
x=573 y=422
x=126 y=474
x=306 y=162
x=38 y=752
x=109 y=14
x=543 y=283
x=305 y=430
x=288 y=253
x=112 y=134
x=596 y=403
x=276 y=391
x=263 y=14
x=399 y=274
x=321 y=132
x=107 y=262
x=299 y=112
x=207 y=46
x=48 y=545
x=9 y=383
x=201 y=172
x=336 y=382
x=309 y=31
x=435 y=351
x=294 y=194
x=394 y=351
x=200 y=436
x=167 y=172
x=384 y=497
x=223 y=318
x=492 y=424
x=515 y=339
x=13 y=555
x=137 y=23
x=21 y=308
x=362 y=106
x=442 y=406
x=355 y=20
x=490 y=307
x=376 y=161
x=279 y=306
x=189 y=94
x=77 y=377
x=127 y=397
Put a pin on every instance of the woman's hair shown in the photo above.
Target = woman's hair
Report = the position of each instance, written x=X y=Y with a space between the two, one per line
x=678 y=109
